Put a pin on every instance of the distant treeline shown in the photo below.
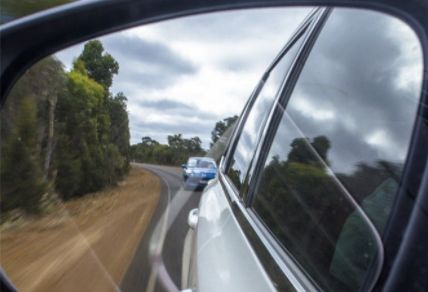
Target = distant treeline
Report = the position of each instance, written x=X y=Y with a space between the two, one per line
x=176 y=152
x=179 y=149
x=63 y=133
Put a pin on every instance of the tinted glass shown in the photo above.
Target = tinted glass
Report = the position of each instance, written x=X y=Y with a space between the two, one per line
x=257 y=116
x=342 y=141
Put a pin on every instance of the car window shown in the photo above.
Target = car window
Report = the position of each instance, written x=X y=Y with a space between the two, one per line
x=333 y=168
x=206 y=164
x=256 y=118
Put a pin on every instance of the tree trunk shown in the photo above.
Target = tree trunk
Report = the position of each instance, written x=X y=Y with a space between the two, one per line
x=50 y=139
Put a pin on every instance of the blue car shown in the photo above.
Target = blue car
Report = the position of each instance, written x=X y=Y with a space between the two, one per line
x=198 y=171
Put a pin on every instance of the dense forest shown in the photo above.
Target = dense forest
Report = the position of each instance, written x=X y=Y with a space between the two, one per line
x=64 y=134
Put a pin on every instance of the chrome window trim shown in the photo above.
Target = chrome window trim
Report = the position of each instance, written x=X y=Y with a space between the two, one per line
x=285 y=88
x=300 y=31
x=287 y=272
x=284 y=259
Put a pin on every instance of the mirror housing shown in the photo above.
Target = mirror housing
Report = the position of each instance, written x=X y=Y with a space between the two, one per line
x=192 y=218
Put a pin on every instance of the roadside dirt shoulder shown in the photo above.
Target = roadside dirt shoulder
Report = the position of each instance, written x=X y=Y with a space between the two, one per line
x=87 y=244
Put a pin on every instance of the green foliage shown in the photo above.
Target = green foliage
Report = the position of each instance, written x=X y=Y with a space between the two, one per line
x=302 y=150
x=21 y=181
x=306 y=205
x=82 y=125
x=93 y=137
x=64 y=131
x=119 y=130
x=176 y=152
x=100 y=66
x=25 y=120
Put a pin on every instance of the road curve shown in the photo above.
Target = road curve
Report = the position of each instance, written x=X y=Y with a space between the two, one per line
x=172 y=211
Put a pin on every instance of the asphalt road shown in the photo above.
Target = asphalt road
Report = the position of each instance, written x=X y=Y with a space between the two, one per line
x=157 y=260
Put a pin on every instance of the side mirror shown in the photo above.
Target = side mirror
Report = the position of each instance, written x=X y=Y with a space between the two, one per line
x=184 y=166
x=192 y=219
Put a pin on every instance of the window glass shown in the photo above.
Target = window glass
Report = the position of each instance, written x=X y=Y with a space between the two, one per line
x=200 y=163
x=342 y=141
x=256 y=118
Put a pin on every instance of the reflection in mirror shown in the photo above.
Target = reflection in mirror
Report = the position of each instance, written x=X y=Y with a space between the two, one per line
x=92 y=140
x=334 y=167
x=257 y=117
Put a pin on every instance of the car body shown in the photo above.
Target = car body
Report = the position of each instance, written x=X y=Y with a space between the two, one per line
x=300 y=204
x=198 y=171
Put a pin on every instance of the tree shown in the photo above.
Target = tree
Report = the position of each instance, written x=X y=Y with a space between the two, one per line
x=21 y=177
x=119 y=131
x=100 y=65
x=83 y=124
x=147 y=141
x=63 y=131
x=221 y=127
x=28 y=136
x=302 y=150
x=93 y=126
x=176 y=152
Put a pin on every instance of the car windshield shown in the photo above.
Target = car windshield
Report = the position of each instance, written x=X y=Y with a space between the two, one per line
x=206 y=164
x=200 y=163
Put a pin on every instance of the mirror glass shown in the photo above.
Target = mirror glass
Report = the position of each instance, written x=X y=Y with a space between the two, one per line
x=95 y=189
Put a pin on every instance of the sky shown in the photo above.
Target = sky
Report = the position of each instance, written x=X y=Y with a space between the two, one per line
x=184 y=75
x=360 y=89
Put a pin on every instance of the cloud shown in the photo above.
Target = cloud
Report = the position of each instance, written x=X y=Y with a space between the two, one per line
x=152 y=55
x=185 y=74
x=350 y=89
x=159 y=130
x=173 y=108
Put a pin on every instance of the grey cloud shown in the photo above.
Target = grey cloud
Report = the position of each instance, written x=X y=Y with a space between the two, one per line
x=235 y=25
x=145 y=80
x=236 y=65
x=159 y=131
x=165 y=104
x=177 y=108
x=139 y=51
x=174 y=128
x=352 y=71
